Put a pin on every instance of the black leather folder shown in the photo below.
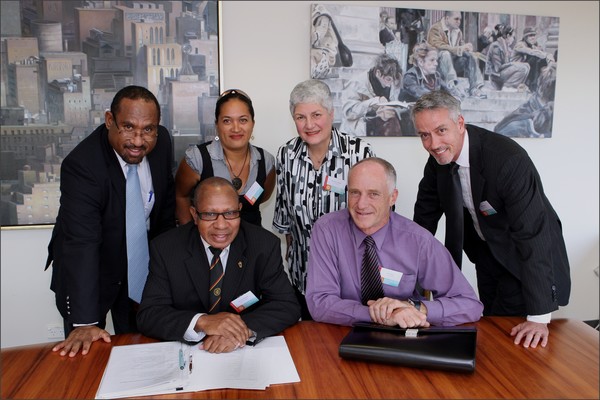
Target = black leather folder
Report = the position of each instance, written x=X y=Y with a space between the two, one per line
x=447 y=348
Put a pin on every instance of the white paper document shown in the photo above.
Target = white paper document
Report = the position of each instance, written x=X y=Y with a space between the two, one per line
x=174 y=367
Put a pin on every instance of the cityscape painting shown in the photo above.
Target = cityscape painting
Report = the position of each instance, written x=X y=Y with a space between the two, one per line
x=62 y=63
x=379 y=60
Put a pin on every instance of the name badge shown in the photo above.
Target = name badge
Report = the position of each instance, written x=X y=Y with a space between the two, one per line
x=253 y=193
x=390 y=277
x=335 y=185
x=244 y=301
x=486 y=209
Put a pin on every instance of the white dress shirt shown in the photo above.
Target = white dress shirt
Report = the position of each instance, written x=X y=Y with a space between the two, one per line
x=145 y=184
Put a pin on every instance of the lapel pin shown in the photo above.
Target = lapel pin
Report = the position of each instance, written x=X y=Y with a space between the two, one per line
x=239 y=264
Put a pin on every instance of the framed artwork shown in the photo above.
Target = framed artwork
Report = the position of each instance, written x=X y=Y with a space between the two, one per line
x=379 y=60
x=62 y=64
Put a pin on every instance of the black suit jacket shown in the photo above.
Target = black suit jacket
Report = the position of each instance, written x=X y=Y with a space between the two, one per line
x=525 y=234
x=177 y=286
x=88 y=243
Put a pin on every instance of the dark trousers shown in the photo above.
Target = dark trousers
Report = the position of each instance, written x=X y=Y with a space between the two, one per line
x=123 y=312
x=499 y=291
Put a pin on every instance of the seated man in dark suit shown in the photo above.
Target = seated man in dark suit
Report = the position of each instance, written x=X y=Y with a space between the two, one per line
x=249 y=299
x=370 y=264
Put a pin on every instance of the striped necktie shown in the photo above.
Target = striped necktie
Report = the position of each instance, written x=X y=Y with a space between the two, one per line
x=137 y=236
x=370 y=278
x=216 y=278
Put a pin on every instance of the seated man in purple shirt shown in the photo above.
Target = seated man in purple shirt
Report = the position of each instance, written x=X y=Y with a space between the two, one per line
x=407 y=260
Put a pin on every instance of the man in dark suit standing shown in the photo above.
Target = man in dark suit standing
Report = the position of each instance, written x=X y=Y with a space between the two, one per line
x=89 y=242
x=248 y=299
x=496 y=210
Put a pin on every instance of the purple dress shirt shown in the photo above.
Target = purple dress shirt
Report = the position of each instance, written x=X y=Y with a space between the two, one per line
x=333 y=281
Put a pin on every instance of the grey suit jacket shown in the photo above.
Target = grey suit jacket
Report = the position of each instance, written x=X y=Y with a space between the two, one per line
x=525 y=233
x=177 y=286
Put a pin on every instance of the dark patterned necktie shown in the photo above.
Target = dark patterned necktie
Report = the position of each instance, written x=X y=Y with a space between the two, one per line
x=455 y=216
x=216 y=277
x=370 y=278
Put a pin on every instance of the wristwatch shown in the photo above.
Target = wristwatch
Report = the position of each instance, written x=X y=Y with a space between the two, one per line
x=415 y=303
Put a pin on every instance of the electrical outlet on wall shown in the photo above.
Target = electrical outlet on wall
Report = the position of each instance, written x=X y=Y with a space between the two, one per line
x=55 y=331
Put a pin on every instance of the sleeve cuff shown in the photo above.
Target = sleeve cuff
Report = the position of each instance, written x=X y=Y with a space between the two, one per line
x=434 y=311
x=540 y=319
x=190 y=334
x=78 y=325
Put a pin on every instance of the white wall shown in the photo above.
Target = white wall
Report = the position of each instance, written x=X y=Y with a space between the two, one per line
x=265 y=53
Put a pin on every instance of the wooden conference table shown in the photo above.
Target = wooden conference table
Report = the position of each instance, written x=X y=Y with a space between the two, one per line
x=566 y=368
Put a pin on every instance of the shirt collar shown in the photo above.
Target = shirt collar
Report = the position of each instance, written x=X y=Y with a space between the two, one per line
x=378 y=237
x=333 y=151
x=463 y=158
x=335 y=144
x=215 y=150
x=124 y=164
x=207 y=249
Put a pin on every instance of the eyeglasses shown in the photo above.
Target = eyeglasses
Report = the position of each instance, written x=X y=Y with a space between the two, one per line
x=234 y=91
x=147 y=133
x=213 y=216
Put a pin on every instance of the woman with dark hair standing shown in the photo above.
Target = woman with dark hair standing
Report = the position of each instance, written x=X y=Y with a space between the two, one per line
x=230 y=156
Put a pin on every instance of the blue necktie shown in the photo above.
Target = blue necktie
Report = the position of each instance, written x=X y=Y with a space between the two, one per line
x=137 y=237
